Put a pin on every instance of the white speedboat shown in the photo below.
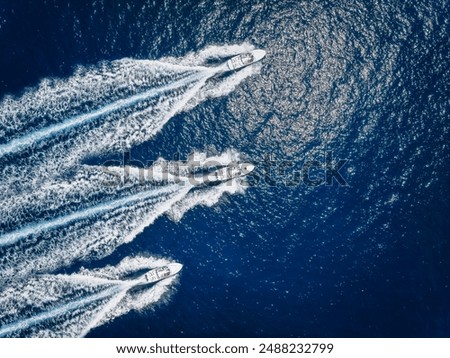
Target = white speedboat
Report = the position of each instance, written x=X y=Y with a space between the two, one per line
x=158 y=274
x=244 y=59
x=224 y=174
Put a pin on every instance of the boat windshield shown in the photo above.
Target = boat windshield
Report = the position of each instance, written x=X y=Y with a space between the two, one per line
x=247 y=58
x=163 y=271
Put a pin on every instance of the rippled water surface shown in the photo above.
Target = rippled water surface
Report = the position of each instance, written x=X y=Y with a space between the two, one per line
x=364 y=81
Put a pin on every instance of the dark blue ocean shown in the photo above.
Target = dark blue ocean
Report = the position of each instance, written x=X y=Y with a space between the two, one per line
x=367 y=82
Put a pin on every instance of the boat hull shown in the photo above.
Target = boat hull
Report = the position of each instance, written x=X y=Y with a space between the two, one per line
x=244 y=60
x=159 y=273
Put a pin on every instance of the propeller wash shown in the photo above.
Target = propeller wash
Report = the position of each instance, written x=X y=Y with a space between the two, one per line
x=56 y=211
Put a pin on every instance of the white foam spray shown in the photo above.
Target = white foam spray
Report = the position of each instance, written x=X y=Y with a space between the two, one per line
x=50 y=219
x=72 y=305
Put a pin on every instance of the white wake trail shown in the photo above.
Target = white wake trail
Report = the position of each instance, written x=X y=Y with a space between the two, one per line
x=54 y=247
x=55 y=123
x=19 y=144
x=56 y=212
x=72 y=305
x=87 y=90
x=100 y=316
x=36 y=229
x=94 y=232
x=26 y=323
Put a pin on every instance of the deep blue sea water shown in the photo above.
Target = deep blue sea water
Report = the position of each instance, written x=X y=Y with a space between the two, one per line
x=368 y=81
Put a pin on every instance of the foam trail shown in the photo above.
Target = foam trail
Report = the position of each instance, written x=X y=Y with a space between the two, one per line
x=142 y=300
x=55 y=214
x=138 y=301
x=21 y=325
x=90 y=185
x=13 y=237
x=207 y=197
x=87 y=90
x=96 y=321
x=123 y=130
x=19 y=144
x=68 y=245
x=94 y=231
x=224 y=86
x=72 y=305
x=202 y=57
x=97 y=237
x=95 y=88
